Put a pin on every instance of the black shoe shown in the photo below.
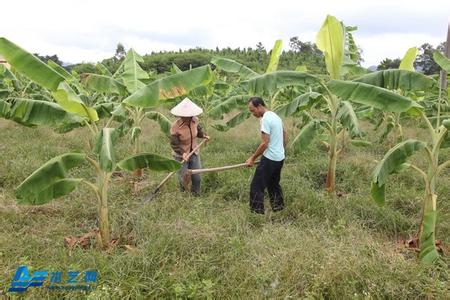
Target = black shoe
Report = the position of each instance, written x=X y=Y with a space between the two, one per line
x=257 y=211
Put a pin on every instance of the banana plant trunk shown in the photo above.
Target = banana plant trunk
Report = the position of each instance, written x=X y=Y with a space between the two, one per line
x=137 y=172
x=427 y=242
x=427 y=232
x=103 y=213
x=332 y=156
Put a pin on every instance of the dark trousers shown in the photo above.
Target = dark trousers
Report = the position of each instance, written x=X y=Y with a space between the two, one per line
x=192 y=163
x=267 y=175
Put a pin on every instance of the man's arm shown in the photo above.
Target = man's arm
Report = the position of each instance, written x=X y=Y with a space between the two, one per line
x=260 y=150
x=285 y=138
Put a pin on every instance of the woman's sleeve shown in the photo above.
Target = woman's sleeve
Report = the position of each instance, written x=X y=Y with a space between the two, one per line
x=200 y=133
x=175 y=142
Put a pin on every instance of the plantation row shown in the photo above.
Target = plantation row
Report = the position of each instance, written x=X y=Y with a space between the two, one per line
x=113 y=106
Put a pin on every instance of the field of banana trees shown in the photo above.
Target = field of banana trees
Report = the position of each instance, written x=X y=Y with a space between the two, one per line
x=366 y=178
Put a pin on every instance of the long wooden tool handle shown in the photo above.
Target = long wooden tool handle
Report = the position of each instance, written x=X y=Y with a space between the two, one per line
x=199 y=171
x=170 y=174
x=193 y=151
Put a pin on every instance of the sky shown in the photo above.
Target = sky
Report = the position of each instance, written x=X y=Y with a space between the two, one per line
x=89 y=30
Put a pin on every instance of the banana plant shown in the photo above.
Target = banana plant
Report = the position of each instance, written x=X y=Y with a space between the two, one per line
x=238 y=98
x=333 y=98
x=395 y=161
x=138 y=100
x=51 y=180
x=404 y=81
x=209 y=97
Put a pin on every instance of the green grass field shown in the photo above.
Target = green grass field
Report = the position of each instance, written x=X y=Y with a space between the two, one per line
x=212 y=246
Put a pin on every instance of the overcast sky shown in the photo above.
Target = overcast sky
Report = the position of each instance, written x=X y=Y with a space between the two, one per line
x=89 y=30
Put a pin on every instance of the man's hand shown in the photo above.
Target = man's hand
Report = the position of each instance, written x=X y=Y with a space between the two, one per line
x=250 y=162
x=206 y=137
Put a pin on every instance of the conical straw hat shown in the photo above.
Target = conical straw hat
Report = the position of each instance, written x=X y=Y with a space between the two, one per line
x=186 y=108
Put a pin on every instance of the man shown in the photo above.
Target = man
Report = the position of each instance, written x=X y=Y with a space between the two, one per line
x=267 y=173
x=183 y=135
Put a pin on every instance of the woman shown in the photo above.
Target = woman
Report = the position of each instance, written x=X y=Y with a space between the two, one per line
x=183 y=134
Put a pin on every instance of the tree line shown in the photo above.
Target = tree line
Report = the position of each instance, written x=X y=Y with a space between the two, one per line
x=301 y=54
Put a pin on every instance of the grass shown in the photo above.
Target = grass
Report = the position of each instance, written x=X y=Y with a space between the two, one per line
x=212 y=246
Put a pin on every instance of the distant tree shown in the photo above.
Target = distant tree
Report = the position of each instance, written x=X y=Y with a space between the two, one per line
x=47 y=58
x=120 y=52
x=112 y=64
x=298 y=46
x=424 y=62
x=388 y=63
x=260 y=47
x=83 y=68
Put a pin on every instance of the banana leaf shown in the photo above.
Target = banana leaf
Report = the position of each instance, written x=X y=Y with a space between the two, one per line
x=268 y=84
x=29 y=65
x=330 y=40
x=371 y=95
x=148 y=160
x=391 y=162
x=50 y=180
x=170 y=87
x=229 y=65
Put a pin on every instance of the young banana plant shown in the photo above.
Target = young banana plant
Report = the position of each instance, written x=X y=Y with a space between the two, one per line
x=395 y=161
x=52 y=180
x=141 y=99
x=244 y=90
x=406 y=82
x=336 y=97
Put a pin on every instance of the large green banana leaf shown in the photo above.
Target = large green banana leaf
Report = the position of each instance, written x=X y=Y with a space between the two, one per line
x=371 y=95
x=58 y=189
x=67 y=76
x=275 y=56
x=302 y=102
x=399 y=79
x=174 y=69
x=442 y=61
x=105 y=109
x=30 y=112
x=70 y=101
x=350 y=47
x=348 y=119
x=233 y=122
x=44 y=75
x=50 y=180
x=392 y=161
x=148 y=160
x=268 y=84
x=306 y=136
x=5 y=108
x=133 y=73
x=104 y=148
x=229 y=65
x=103 y=70
x=104 y=84
x=163 y=122
x=5 y=73
x=407 y=62
x=29 y=65
x=330 y=40
x=170 y=87
x=228 y=105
